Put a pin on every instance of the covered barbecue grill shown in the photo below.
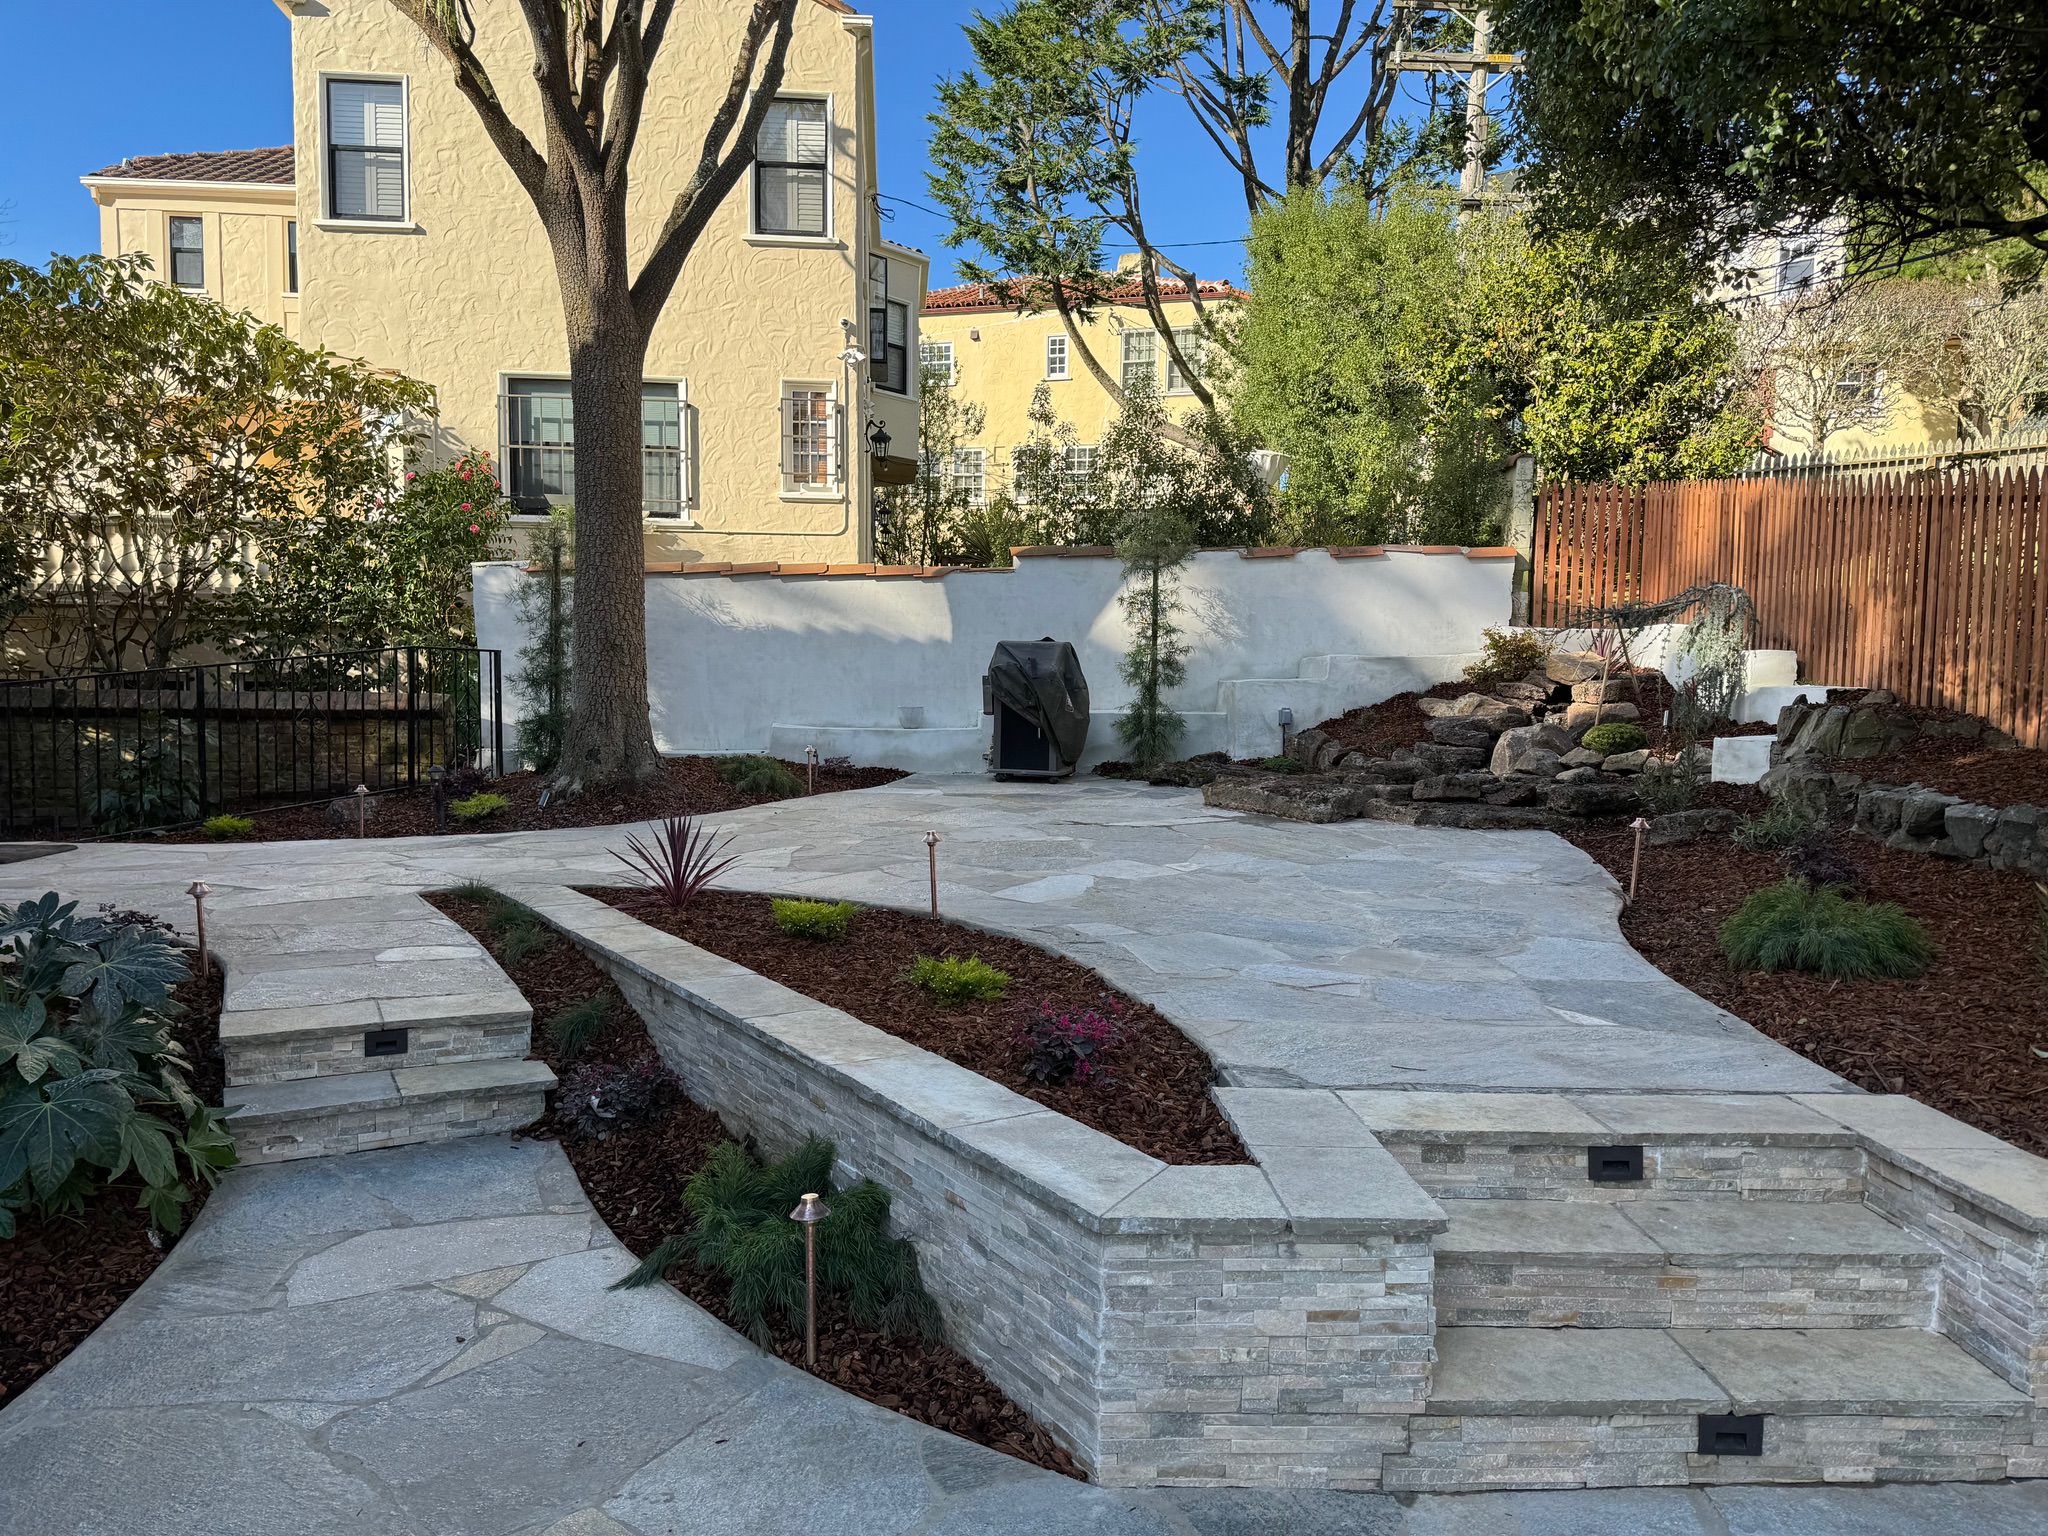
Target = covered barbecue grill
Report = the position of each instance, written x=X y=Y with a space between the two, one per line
x=1035 y=691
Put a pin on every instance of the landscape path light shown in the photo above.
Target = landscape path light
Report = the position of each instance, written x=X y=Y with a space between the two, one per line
x=810 y=770
x=362 y=806
x=1635 y=865
x=931 y=844
x=438 y=777
x=810 y=1210
x=199 y=890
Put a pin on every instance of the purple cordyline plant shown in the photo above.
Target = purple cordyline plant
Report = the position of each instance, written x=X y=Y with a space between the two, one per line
x=680 y=860
x=1068 y=1047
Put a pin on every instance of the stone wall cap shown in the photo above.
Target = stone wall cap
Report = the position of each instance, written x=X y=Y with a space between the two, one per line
x=1422 y=1115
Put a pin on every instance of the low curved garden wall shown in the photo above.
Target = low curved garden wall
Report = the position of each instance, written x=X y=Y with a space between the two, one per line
x=1264 y=1323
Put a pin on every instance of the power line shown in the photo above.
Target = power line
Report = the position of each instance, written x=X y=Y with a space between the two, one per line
x=1164 y=245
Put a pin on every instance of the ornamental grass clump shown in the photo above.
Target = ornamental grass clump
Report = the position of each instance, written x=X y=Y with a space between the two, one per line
x=1823 y=929
x=573 y=1029
x=1069 y=1047
x=953 y=980
x=472 y=809
x=222 y=828
x=1780 y=824
x=740 y=1226
x=753 y=774
x=827 y=920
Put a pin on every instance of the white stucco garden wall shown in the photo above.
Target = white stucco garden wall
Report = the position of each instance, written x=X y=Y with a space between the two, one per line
x=886 y=669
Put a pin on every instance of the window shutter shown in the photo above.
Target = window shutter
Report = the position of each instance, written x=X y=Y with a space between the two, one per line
x=367 y=114
x=366 y=128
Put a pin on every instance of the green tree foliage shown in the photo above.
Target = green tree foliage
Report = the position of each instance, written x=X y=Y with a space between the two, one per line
x=922 y=523
x=389 y=567
x=1400 y=358
x=152 y=440
x=1155 y=538
x=547 y=614
x=1696 y=125
x=92 y=1081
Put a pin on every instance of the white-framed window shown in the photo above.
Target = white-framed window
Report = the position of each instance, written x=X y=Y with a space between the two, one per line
x=1141 y=358
x=291 y=255
x=1858 y=383
x=1077 y=467
x=810 y=438
x=539 y=446
x=970 y=475
x=366 y=150
x=1798 y=266
x=790 y=166
x=1056 y=356
x=188 y=252
x=939 y=354
x=1189 y=341
x=888 y=332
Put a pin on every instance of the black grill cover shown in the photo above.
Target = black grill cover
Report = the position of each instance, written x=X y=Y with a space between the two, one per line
x=1042 y=681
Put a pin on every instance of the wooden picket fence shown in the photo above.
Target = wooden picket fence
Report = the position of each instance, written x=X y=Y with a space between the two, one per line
x=1932 y=585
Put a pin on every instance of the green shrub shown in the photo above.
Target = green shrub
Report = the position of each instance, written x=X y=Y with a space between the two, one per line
x=1615 y=736
x=739 y=1225
x=953 y=980
x=1672 y=786
x=518 y=931
x=223 y=827
x=1780 y=824
x=752 y=774
x=478 y=807
x=1506 y=656
x=1793 y=926
x=576 y=1026
x=92 y=1080
x=813 y=919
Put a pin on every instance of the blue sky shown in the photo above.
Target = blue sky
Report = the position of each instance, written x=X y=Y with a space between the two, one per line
x=151 y=76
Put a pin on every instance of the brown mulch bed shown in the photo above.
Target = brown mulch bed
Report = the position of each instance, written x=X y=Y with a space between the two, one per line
x=1153 y=1094
x=635 y=1179
x=62 y=1276
x=684 y=785
x=1962 y=1038
x=1955 y=765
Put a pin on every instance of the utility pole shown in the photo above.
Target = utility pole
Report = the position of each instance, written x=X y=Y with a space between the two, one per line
x=1482 y=69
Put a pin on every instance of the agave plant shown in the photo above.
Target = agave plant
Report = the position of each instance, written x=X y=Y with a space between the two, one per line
x=680 y=859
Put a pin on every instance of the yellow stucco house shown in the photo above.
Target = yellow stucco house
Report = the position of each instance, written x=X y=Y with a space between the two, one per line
x=393 y=232
x=997 y=356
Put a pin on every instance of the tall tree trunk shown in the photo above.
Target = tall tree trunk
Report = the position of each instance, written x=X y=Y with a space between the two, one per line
x=609 y=737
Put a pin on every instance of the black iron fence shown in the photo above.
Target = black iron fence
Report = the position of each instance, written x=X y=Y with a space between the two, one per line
x=115 y=752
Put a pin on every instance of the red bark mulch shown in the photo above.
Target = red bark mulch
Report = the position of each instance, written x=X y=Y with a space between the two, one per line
x=1963 y=1038
x=62 y=1276
x=1153 y=1094
x=683 y=786
x=635 y=1178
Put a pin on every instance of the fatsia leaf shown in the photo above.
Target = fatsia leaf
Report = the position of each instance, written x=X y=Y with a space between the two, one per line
x=147 y=1145
x=120 y=1043
x=134 y=966
x=46 y=1129
x=6 y=1222
x=165 y=1204
x=20 y=1025
x=47 y=912
x=47 y=1055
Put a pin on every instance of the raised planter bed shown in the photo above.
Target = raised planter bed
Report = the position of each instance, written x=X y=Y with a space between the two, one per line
x=1153 y=1091
x=635 y=1177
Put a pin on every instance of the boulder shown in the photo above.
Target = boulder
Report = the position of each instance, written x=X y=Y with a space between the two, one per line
x=2019 y=840
x=1288 y=796
x=1968 y=828
x=1463 y=704
x=1582 y=757
x=1600 y=797
x=1574 y=667
x=1581 y=774
x=1689 y=826
x=1380 y=770
x=1462 y=731
x=1455 y=786
x=1877 y=809
x=1326 y=755
x=1872 y=733
x=1441 y=759
x=1522 y=789
x=1593 y=691
x=1924 y=813
x=1483 y=818
x=1303 y=745
x=1524 y=742
x=1626 y=762
x=1524 y=693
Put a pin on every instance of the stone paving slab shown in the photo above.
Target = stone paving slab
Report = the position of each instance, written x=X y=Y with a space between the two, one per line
x=1569 y=1371
x=1899 y=1371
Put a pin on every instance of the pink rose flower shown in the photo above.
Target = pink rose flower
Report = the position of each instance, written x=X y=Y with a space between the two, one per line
x=465 y=474
x=411 y=475
x=474 y=529
x=466 y=507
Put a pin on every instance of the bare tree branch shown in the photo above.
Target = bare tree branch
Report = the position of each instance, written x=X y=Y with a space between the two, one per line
x=438 y=24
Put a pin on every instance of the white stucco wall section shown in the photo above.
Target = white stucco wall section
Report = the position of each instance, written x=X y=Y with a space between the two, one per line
x=777 y=662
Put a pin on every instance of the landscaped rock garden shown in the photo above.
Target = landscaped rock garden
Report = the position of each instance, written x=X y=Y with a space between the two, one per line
x=1928 y=781
x=520 y=802
x=1564 y=739
x=636 y=1142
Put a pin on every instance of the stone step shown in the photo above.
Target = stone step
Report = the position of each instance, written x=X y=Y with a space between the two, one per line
x=357 y=1111
x=270 y=1045
x=1620 y=1407
x=1684 y=1263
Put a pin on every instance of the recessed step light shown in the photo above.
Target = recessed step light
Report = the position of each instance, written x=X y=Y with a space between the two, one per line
x=1731 y=1434
x=385 y=1042
x=1614 y=1165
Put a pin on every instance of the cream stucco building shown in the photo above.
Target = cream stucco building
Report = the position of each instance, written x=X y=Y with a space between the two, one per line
x=393 y=232
x=997 y=356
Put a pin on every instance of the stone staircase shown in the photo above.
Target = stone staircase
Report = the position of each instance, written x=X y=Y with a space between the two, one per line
x=397 y=1029
x=1671 y=1289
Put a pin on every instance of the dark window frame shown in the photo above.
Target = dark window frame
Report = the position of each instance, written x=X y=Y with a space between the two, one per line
x=823 y=166
x=335 y=150
x=196 y=252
